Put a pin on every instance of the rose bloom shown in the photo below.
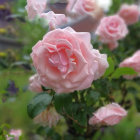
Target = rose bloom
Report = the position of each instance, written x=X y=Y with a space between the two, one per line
x=34 y=83
x=130 y=13
x=111 y=28
x=16 y=133
x=49 y=117
x=66 y=61
x=132 y=62
x=35 y=8
x=76 y=8
x=53 y=19
x=85 y=15
x=110 y=114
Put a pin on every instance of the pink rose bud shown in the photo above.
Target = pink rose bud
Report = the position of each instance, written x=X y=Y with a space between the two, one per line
x=130 y=13
x=35 y=8
x=15 y=133
x=111 y=29
x=132 y=62
x=49 y=117
x=66 y=61
x=34 y=83
x=53 y=19
x=110 y=114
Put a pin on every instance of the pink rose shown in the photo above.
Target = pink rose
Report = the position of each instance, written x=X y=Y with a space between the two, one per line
x=84 y=14
x=130 y=13
x=132 y=62
x=66 y=61
x=111 y=28
x=110 y=114
x=76 y=8
x=49 y=117
x=15 y=133
x=34 y=83
x=35 y=8
x=53 y=19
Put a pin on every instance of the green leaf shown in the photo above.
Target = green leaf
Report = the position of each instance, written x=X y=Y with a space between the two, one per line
x=123 y=71
x=137 y=101
x=38 y=104
x=110 y=69
x=62 y=102
x=92 y=97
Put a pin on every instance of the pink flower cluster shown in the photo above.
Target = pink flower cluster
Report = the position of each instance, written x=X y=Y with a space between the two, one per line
x=37 y=8
x=66 y=61
x=114 y=28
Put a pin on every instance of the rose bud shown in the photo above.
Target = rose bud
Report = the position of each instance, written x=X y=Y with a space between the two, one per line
x=110 y=114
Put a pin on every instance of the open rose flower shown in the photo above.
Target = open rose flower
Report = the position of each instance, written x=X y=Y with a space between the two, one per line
x=132 y=62
x=111 y=29
x=66 y=61
x=130 y=13
x=49 y=117
x=110 y=114
x=80 y=6
x=35 y=8
x=15 y=133
x=84 y=7
x=53 y=19
x=87 y=13
x=34 y=83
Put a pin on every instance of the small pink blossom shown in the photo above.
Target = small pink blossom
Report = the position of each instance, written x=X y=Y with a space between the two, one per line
x=16 y=133
x=132 y=62
x=111 y=29
x=130 y=13
x=34 y=83
x=66 y=61
x=35 y=8
x=49 y=117
x=110 y=114
x=53 y=19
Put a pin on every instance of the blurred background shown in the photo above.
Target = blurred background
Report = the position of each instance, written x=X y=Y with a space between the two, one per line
x=17 y=37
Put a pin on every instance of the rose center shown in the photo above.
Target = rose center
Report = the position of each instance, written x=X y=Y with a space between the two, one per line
x=59 y=60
